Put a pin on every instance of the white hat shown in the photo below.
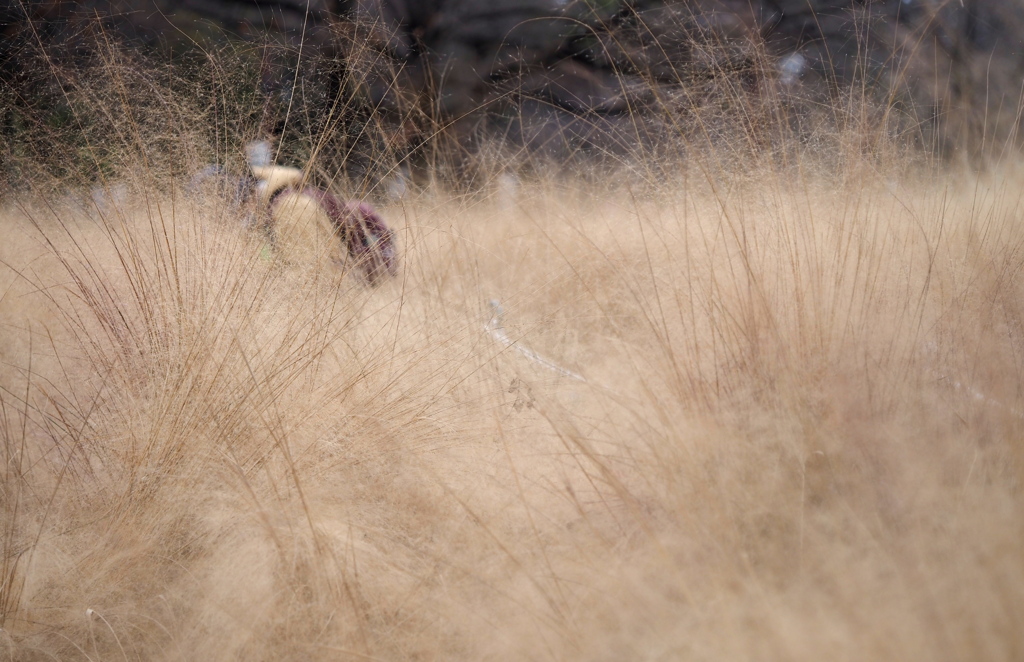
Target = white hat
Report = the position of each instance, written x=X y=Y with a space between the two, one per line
x=258 y=153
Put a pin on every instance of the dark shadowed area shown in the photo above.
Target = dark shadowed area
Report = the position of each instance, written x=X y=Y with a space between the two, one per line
x=559 y=80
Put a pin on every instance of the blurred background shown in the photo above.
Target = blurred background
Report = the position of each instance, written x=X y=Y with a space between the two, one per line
x=395 y=85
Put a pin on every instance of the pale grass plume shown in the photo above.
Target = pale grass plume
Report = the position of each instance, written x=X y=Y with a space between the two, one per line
x=229 y=457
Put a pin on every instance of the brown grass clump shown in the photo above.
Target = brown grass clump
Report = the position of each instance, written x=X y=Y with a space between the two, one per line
x=796 y=438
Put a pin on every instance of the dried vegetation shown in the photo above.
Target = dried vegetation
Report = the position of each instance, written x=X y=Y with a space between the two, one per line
x=797 y=436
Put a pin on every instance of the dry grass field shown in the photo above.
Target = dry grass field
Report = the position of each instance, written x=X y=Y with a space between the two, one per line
x=796 y=436
x=780 y=416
